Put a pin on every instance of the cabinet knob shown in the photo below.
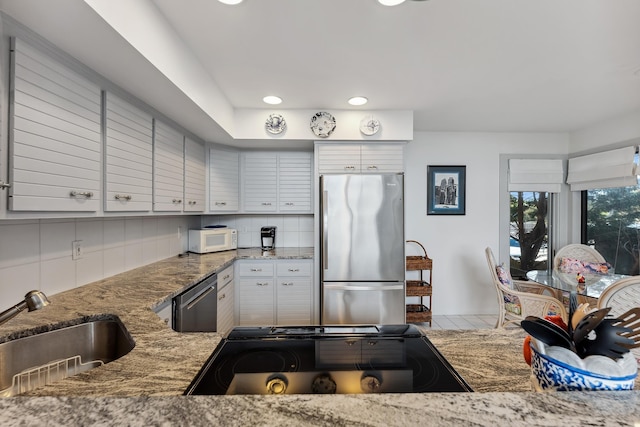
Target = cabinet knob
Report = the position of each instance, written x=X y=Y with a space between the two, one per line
x=193 y=202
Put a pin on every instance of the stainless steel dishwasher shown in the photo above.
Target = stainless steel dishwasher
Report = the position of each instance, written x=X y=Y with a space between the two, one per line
x=195 y=310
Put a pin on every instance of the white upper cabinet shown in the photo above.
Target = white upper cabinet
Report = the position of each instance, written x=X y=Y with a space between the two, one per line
x=277 y=182
x=224 y=180
x=260 y=182
x=195 y=175
x=361 y=158
x=55 y=135
x=128 y=156
x=295 y=182
x=168 y=168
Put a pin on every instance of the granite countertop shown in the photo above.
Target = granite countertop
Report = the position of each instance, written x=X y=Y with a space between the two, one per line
x=145 y=386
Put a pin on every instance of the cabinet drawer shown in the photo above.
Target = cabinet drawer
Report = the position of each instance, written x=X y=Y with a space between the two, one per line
x=225 y=276
x=300 y=269
x=255 y=269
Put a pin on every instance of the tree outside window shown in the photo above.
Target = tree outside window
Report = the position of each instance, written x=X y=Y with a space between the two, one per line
x=528 y=236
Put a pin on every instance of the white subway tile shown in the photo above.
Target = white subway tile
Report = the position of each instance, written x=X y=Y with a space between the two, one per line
x=91 y=232
x=114 y=260
x=149 y=228
x=16 y=281
x=306 y=222
x=56 y=239
x=89 y=268
x=306 y=239
x=114 y=233
x=19 y=244
x=133 y=231
x=287 y=239
x=57 y=275
x=290 y=223
x=133 y=256
x=149 y=251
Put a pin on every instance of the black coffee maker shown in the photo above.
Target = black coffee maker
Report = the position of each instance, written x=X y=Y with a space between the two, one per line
x=268 y=237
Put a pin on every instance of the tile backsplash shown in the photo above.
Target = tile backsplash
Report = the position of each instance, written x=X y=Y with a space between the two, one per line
x=293 y=230
x=37 y=254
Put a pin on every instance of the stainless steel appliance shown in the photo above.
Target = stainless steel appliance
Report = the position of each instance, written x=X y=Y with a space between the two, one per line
x=268 y=237
x=362 y=249
x=325 y=360
x=195 y=310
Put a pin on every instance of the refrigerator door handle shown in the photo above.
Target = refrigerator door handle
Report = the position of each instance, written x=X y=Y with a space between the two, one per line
x=363 y=287
x=325 y=237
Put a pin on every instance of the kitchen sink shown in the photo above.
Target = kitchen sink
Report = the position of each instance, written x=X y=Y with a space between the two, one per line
x=43 y=358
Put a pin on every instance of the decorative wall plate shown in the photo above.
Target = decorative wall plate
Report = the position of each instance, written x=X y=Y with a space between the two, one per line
x=322 y=124
x=275 y=124
x=369 y=126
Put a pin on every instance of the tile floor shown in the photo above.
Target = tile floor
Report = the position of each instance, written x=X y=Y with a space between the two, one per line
x=477 y=321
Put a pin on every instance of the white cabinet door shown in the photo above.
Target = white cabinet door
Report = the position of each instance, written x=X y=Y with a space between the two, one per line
x=128 y=156
x=55 y=135
x=224 y=182
x=225 y=310
x=256 y=301
x=194 y=176
x=382 y=158
x=168 y=168
x=260 y=182
x=293 y=292
x=339 y=158
x=295 y=182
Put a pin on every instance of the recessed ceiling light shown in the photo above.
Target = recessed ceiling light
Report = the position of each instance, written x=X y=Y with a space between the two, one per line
x=273 y=100
x=230 y=1
x=358 y=100
x=390 y=2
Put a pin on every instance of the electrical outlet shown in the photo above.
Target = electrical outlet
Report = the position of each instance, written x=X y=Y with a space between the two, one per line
x=77 y=250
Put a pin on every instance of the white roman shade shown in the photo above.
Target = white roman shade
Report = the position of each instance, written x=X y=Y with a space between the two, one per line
x=544 y=175
x=615 y=168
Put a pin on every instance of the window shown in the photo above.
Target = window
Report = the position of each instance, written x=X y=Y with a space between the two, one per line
x=611 y=224
x=530 y=214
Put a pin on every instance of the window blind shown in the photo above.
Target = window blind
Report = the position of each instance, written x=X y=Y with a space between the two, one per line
x=544 y=175
x=614 y=168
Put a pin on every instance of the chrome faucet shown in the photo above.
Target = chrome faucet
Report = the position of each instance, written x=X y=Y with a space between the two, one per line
x=33 y=300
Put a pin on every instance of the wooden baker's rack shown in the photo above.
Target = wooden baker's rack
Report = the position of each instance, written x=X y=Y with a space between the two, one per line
x=421 y=288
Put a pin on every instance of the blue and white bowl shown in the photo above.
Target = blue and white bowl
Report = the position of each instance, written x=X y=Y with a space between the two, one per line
x=552 y=374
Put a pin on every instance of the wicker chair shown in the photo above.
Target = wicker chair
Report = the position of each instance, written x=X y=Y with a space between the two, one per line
x=515 y=305
x=622 y=296
x=577 y=251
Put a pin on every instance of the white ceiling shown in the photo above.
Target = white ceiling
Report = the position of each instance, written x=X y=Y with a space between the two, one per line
x=460 y=65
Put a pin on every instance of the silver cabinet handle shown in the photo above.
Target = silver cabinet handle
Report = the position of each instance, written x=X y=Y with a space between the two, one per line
x=348 y=168
x=221 y=203
x=177 y=201
x=226 y=277
x=192 y=202
x=293 y=270
x=289 y=204
x=221 y=297
x=126 y=197
x=266 y=203
x=262 y=283
x=86 y=194
x=256 y=269
x=287 y=283
x=372 y=167
x=4 y=185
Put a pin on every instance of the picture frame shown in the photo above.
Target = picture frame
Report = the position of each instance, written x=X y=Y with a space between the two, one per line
x=446 y=190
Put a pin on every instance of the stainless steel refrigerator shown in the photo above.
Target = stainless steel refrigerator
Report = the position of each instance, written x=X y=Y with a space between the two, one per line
x=362 y=249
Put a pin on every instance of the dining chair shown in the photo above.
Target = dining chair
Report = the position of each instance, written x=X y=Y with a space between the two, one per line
x=514 y=304
x=621 y=297
x=577 y=251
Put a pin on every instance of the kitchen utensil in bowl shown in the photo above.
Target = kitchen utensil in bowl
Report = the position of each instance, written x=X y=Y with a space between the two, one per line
x=547 y=332
x=606 y=342
x=579 y=313
x=588 y=323
x=631 y=319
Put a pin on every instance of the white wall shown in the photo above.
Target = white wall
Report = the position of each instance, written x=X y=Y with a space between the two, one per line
x=36 y=254
x=456 y=243
x=613 y=132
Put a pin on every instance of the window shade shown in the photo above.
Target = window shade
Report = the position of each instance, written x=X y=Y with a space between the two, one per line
x=615 y=168
x=544 y=175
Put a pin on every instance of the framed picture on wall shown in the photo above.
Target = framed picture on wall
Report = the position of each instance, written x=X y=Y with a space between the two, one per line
x=446 y=187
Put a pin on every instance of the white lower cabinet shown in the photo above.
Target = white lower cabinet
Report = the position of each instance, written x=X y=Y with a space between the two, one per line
x=225 y=309
x=275 y=292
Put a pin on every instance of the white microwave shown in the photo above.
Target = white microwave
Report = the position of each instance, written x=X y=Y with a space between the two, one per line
x=207 y=240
